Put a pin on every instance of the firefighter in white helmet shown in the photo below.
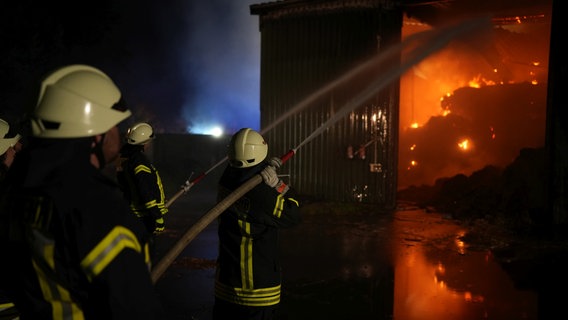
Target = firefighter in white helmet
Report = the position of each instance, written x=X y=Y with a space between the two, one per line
x=76 y=251
x=248 y=279
x=140 y=180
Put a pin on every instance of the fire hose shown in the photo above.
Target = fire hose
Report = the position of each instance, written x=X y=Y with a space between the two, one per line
x=188 y=184
x=439 y=39
x=206 y=219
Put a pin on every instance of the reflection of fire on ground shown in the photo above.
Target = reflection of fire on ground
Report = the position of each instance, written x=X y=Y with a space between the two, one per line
x=436 y=278
x=475 y=103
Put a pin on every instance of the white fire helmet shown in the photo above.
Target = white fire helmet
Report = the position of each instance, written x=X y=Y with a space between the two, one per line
x=77 y=101
x=139 y=133
x=5 y=142
x=247 y=148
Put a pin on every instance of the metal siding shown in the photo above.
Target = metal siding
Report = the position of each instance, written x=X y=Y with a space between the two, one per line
x=300 y=54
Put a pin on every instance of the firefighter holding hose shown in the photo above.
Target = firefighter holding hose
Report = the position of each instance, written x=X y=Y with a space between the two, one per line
x=248 y=274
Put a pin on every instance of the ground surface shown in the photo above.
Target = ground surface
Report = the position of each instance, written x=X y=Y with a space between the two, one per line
x=339 y=265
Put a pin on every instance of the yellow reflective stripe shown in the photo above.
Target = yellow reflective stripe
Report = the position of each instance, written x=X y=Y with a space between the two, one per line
x=118 y=239
x=147 y=256
x=142 y=168
x=279 y=206
x=150 y=204
x=162 y=193
x=57 y=296
x=295 y=201
x=248 y=297
x=154 y=203
x=137 y=211
x=246 y=255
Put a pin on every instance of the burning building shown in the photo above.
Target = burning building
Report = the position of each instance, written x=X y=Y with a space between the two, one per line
x=428 y=124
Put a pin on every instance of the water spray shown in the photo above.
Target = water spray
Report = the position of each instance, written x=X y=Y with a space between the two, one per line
x=436 y=40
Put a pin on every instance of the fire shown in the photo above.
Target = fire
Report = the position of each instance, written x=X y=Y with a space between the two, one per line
x=464 y=144
x=439 y=110
x=479 y=81
x=413 y=163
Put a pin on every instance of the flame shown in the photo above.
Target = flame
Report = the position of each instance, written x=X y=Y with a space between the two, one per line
x=460 y=245
x=464 y=144
x=427 y=89
x=478 y=81
x=440 y=268
x=413 y=163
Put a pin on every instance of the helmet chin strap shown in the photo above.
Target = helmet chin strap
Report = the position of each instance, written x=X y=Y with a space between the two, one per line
x=97 y=150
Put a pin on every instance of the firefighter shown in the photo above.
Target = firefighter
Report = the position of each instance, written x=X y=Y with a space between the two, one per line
x=140 y=181
x=248 y=275
x=75 y=251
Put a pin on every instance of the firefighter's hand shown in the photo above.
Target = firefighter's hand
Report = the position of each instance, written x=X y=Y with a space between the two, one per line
x=275 y=162
x=159 y=226
x=269 y=176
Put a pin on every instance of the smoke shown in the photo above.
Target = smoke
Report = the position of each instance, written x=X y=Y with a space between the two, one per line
x=189 y=66
x=222 y=60
x=443 y=11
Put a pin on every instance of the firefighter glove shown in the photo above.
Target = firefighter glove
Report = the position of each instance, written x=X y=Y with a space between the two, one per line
x=275 y=162
x=159 y=226
x=269 y=176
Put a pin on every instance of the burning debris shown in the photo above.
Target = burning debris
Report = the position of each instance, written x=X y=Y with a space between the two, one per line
x=493 y=103
x=483 y=126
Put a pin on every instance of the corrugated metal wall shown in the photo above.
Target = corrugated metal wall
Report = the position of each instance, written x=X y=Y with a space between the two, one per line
x=304 y=47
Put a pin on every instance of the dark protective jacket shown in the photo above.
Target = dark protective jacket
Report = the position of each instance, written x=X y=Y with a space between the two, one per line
x=142 y=186
x=75 y=250
x=248 y=265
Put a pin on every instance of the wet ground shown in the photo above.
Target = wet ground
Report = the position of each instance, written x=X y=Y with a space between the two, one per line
x=346 y=262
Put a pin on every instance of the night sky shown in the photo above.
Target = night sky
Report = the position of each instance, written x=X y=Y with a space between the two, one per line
x=184 y=66
x=194 y=64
